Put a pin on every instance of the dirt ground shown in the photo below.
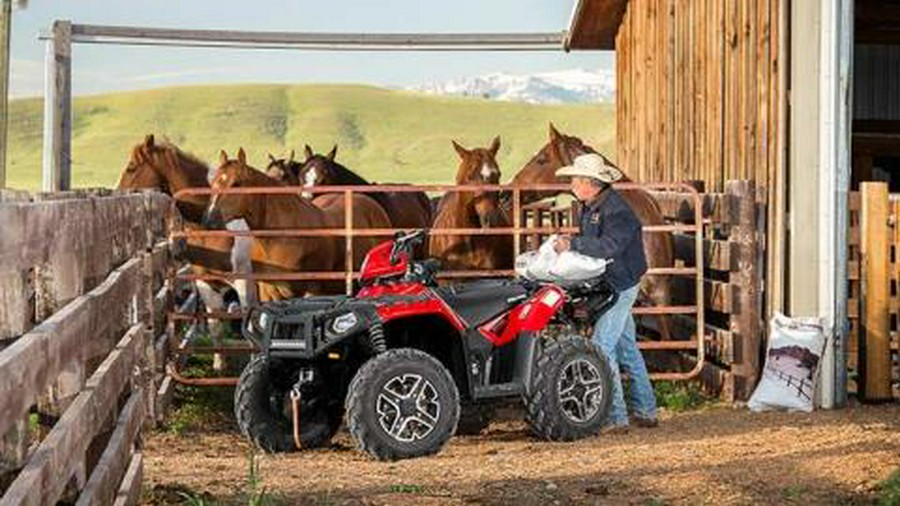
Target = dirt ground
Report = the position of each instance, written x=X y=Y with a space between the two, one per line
x=718 y=455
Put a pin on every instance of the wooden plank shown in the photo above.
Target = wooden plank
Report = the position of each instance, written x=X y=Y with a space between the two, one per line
x=717 y=207
x=42 y=481
x=718 y=296
x=104 y=482
x=874 y=337
x=717 y=255
x=34 y=361
x=130 y=489
x=164 y=397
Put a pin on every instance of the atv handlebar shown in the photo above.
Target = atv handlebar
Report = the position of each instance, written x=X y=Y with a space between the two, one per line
x=404 y=242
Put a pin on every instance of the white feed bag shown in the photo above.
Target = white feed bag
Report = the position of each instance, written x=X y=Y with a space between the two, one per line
x=547 y=265
x=792 y=360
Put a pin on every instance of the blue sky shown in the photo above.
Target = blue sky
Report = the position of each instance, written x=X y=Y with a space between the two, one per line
x=105 y=68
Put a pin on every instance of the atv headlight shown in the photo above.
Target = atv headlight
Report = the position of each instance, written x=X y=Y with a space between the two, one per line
x=258 y=321
x=344 y=323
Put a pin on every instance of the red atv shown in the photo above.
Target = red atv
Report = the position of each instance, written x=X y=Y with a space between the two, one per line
x=405 y=356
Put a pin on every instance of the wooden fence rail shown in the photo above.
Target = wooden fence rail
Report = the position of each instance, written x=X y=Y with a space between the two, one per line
x=78 y=366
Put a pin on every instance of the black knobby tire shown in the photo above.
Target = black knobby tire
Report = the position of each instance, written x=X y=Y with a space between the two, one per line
x=553 y=412
x=474 y=417
x=425 y=422
x=262 y=409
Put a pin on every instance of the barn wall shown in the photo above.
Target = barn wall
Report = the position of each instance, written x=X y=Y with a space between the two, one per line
x=698 y=91
x=876 y=77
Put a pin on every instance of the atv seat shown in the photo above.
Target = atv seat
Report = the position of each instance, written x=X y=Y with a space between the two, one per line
x=477 y=302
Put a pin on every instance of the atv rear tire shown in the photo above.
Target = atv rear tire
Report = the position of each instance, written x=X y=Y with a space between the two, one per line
x=571 y=391
x=402 y=404
x=263 y=412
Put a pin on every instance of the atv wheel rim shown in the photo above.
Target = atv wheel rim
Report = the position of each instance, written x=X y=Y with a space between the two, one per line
x=408 y=408
x=580 y=389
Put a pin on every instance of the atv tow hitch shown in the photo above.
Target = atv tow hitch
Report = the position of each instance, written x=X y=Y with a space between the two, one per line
x=295 y=409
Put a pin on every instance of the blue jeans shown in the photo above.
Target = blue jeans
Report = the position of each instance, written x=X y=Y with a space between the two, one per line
x=615 y=334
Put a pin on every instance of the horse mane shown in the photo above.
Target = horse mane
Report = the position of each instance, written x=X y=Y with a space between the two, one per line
x=345 y=176
x=195 y=170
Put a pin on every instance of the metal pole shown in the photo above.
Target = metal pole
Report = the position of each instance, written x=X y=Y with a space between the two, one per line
x=58 y=110
x=5 y=23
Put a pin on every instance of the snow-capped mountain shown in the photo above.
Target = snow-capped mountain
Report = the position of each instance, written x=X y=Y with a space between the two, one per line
x=567 y=86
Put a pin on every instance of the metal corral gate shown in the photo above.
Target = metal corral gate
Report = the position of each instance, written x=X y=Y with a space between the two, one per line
x=518 y=231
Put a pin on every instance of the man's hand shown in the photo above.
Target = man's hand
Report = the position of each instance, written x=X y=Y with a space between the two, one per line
x=563 y=243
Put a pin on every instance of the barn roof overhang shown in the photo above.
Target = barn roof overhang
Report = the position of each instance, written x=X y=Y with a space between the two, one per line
x=594 y=24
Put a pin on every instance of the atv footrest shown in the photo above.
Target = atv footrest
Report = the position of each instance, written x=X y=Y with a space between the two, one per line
x=499 y=390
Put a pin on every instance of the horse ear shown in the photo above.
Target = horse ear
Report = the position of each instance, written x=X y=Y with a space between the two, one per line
x=308 y=152
x=271 y=158
x=242 y=157
x=495 y=146
x=291 y=159
x=463 y=152
x=555 y=136
x=149 y=140
x=332 y=153
x=223 y=158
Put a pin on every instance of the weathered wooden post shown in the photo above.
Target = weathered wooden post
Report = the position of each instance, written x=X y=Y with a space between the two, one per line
x=745 y=283
x=57 y=158
x=874 y=331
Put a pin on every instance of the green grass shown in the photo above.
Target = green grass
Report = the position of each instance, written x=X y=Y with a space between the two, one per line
x=385 y=135
x=889 y=490
x=679 y=396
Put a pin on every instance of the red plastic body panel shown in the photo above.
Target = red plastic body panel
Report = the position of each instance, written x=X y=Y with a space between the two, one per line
x=428 y=302
x=532 y=315
x=377 y=263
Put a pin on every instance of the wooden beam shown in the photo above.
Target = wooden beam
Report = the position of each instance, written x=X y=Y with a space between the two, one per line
x=595 y=23
x=746 y=321
x=103 y=484
x=42 y=481
x=874 y=336
x=130 y=490
x=5 y=25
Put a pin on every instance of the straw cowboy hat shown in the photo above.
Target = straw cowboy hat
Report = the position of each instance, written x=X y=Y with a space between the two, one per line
x=593 y=166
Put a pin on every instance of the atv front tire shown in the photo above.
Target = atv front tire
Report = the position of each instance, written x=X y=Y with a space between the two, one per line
x=262 y=407
x=402 y=404
x=571 y=390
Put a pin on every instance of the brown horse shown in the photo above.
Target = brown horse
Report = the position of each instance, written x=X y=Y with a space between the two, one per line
x=658 y=246
x=473 y=210
x=286 y=211
x=283 y=169
x=164 y=167
x=406 y=209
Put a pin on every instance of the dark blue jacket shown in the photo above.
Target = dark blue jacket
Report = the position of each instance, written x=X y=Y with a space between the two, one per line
x=609 y=229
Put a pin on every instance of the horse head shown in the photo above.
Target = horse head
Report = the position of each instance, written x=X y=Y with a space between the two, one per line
x=476 y=167
x=560 y=150
x=317 y=169
x=145 y=167
x=162 y=166
x=224 y=207
x=284 y=169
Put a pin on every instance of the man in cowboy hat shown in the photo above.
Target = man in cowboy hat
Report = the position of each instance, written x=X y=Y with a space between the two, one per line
x=609 y=229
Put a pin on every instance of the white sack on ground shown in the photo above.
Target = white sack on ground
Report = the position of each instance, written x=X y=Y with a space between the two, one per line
x=792 y=361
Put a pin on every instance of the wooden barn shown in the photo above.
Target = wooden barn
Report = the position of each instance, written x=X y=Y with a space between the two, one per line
x=803 y=100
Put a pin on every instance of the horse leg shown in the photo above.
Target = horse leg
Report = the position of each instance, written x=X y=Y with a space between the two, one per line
x=213 y=301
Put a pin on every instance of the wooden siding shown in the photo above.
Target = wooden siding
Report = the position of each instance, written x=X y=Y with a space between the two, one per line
x=698 y=91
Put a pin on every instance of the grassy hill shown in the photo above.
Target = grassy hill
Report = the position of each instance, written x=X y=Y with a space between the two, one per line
x=385 y=135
